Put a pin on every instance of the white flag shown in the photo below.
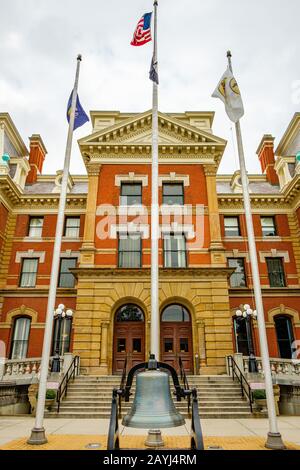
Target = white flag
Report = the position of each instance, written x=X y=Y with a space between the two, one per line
x=228 y=91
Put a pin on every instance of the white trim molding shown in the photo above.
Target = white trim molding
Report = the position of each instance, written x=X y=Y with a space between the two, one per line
x=173 y=178
x=274 y=254
x=30 y=254
x=131 y=228
x=131 y=177
x=176 y=228
x=237 y=254
x=70 y=254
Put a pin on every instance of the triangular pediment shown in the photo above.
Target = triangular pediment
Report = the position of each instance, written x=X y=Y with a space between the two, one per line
x=137 y=131
x=290 y=143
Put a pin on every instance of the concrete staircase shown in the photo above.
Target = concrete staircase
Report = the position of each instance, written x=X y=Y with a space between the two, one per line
x=90 y=397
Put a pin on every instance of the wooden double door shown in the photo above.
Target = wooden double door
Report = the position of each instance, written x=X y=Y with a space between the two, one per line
x=129 y=341
x=176 y=341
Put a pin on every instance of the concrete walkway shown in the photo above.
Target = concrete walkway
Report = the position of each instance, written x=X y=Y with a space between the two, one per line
x=12 y=428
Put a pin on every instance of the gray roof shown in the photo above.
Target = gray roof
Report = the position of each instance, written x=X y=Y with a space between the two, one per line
x=260 y=187
x=47 y=188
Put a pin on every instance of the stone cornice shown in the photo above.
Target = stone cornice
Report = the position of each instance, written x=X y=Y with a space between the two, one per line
x=131 y=274
x=258 y=201
x=266 y=291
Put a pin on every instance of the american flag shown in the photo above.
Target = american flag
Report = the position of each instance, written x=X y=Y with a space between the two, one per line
x=142 y=34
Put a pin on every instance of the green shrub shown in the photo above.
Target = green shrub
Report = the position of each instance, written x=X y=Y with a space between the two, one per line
x=50 y=394
x=259 y=394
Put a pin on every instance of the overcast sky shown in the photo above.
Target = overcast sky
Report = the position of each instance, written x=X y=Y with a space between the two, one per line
x=39 y=41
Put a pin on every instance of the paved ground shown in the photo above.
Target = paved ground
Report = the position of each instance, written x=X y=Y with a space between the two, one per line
x=75 y=434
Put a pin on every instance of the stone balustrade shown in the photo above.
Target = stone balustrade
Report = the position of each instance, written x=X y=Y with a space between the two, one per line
x=280 y=368
x=23 y=368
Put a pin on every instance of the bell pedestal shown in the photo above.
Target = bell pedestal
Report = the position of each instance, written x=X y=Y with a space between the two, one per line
x=154 y=439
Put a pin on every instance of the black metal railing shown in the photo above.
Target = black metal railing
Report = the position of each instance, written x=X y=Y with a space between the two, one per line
x=71 y=373
x=184 y=380
x=237 y=374
x=113 y=441
x=121 y=391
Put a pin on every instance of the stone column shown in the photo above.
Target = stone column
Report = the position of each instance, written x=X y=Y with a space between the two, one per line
x=88 y=245
x=104 y=357
x=201 y=343
x=216 y=244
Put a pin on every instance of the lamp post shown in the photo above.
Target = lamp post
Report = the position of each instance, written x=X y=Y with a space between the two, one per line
x=60 y=314
x=248 y=314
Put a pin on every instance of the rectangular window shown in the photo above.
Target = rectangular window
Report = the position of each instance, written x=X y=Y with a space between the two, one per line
x=66 y=278
x=268 y=226
x=232 y=226
x=130 y=251
x=175 y=251
x=173 y=194
x=238 y=278
x=35 y=227
x=29 y=272
x=131 y=194
x=72 y=227
x=276 y=272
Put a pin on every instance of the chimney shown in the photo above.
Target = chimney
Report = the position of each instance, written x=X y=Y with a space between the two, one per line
x=266 y=157
x=37 y=155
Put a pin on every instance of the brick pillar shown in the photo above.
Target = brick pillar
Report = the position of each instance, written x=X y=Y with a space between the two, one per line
x=266 y=157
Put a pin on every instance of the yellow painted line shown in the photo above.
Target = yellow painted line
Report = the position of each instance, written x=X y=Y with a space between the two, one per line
x=79 y=442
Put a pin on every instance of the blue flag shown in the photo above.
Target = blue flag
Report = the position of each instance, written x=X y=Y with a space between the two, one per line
x=80 y=115
x=153 y=74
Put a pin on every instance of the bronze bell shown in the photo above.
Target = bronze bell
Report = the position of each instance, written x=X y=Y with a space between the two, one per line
x=153 y=406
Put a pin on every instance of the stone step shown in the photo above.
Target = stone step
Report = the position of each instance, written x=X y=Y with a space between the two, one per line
x=99 y=398
x=204 y=415
x=107 y=408
x=182 y=408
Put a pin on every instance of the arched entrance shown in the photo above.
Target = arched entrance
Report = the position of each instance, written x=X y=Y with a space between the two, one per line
x=129 y=337
x=176 y=337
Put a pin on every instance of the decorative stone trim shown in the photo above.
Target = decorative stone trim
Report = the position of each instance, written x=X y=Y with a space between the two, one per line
x=283 y=310
x=173 y=178
x=274 y=254
x=30 y=254
x=131 y=228
x=69 y=254
x=131 y=178
x=174 y=227
x=21 y=311
x=237 y=254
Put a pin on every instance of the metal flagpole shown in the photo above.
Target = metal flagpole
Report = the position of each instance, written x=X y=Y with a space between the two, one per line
x=155 y=323
x=274 y=440
x=38 y=432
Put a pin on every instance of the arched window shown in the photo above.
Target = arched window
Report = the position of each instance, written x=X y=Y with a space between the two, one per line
x=19 y=344
x=129 y=312
x=285 y=336
x=175 y=313
x=240 y=334
x=62 y=335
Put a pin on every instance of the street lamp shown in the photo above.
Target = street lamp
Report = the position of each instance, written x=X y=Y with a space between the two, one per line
x=60 y=314
x=248 y=314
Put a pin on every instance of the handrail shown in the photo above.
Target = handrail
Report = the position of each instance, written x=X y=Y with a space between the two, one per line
x=63 y=386
x=122 y=385
x=245 y=386
x=185 y=382
x=113 y=439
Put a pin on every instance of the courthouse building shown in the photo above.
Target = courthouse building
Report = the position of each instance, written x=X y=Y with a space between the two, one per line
x=105 y=262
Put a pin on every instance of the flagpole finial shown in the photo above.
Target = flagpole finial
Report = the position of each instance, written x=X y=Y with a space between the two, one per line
x=155 y=3
x=79 y=57
x=229 y=54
